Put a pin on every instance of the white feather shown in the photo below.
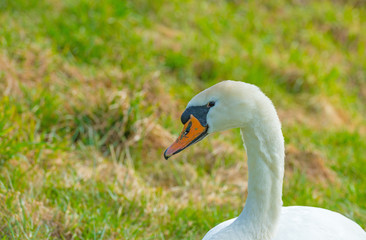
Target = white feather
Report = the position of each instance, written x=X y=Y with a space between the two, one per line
x=243 y=105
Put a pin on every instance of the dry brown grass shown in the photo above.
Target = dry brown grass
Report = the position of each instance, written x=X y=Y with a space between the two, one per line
x=164 y=37
x=319 y=114
x=309 y=163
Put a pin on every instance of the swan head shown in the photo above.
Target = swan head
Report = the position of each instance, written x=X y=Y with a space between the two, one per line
x=226 y=105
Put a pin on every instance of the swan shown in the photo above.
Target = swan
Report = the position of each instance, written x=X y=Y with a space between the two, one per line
x=233 y=104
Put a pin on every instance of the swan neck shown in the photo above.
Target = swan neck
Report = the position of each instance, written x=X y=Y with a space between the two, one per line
x=265 y=150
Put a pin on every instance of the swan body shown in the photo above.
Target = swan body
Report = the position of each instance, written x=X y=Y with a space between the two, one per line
x=300 y=223
x=232 y=104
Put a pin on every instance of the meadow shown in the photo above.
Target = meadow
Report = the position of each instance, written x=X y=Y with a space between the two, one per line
x=91 y=94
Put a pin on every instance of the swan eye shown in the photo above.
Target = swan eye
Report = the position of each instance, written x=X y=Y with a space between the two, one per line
x=210 y=104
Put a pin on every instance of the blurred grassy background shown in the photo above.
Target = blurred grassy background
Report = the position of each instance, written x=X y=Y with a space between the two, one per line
x=91 y=94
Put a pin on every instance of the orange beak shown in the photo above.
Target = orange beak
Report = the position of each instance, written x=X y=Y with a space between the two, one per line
x=192 y=132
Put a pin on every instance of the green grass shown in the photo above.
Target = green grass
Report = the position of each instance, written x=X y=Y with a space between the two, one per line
x=92 y=92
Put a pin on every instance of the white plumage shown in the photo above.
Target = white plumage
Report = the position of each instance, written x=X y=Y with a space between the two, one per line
x=303 y=223
x=243 y=105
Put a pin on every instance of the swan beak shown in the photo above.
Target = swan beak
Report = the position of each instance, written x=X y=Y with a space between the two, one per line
x=192 y=132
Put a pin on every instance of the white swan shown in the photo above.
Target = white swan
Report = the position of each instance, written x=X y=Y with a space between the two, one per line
x=232 y=104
